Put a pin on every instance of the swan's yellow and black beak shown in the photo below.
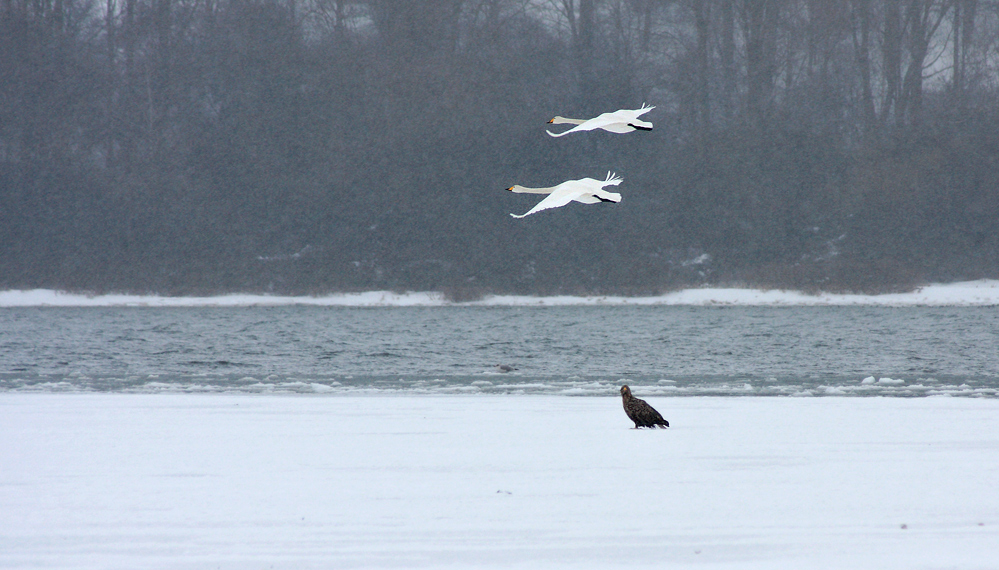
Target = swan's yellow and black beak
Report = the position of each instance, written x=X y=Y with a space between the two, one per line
x=510 y=189
x=550 y=121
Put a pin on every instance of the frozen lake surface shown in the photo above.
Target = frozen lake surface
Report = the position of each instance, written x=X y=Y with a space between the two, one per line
x=237 y=481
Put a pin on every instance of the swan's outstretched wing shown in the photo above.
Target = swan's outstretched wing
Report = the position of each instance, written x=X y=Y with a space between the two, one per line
x=554 y=200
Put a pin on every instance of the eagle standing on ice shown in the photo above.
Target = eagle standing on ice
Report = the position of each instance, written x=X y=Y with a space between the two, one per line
x=640 y=411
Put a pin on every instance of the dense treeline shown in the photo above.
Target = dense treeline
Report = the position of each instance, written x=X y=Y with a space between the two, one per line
x=309 y=146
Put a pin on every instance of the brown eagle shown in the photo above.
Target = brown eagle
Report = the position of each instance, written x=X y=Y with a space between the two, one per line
x=640 y=411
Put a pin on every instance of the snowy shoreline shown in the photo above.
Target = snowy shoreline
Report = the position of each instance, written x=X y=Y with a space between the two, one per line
x=254 y=481
x=964 y=294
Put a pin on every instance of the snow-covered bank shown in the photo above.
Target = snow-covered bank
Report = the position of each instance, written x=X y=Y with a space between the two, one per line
x=969 y=293
x=223 y=481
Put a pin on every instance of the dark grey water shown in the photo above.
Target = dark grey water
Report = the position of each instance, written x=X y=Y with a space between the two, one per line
x=857 y=351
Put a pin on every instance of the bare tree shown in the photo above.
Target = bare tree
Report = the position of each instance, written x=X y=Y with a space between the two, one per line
x=963 y=31
x=760 y=19
x=861 y=32
x=702 y=18
x=922 y=18
x=728 y=62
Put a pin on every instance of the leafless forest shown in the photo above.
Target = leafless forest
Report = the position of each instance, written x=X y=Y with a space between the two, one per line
x=312 y=146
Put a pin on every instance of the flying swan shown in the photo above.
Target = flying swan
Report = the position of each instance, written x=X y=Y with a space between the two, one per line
x=584 y=190
x=622 y=121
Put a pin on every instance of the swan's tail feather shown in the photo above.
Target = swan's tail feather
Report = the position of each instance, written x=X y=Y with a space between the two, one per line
x=645 y=109
x=612 y=178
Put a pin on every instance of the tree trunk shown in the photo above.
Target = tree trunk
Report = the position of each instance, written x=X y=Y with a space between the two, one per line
x=760 y=22
x=923 y=17
x=963 y=34
x=585 y=54
x=729 y=72
x=861 y=15
x=646 y=25
x=110 y=31
x=702 y=17
x=891 y=58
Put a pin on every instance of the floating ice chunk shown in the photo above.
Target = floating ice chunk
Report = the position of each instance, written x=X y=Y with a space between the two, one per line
x=891 y=381
x=868 y=380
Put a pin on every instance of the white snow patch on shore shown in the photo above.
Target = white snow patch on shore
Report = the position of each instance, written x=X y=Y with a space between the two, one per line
x=969 y=293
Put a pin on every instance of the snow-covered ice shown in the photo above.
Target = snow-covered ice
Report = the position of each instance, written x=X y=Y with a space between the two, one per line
x=261 y=481
x=969 y=293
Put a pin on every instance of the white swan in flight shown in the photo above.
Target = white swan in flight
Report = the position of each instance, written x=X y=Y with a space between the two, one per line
x=622 y=121
x=584 y=190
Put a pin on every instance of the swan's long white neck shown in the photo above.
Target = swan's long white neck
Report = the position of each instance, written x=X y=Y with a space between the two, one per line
x=518 y=189
x=563 y=121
